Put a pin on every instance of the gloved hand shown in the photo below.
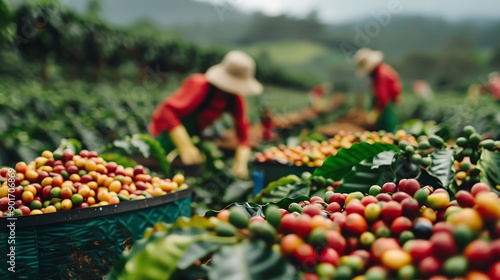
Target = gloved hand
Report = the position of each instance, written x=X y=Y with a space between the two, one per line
x=187 y=151
x=240 y=166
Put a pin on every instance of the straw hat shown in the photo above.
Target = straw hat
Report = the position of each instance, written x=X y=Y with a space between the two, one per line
x=366 y=60
x=235 y=74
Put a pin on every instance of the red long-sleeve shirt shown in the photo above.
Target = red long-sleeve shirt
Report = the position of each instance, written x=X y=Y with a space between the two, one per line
x=186 y=102
x=386 y=86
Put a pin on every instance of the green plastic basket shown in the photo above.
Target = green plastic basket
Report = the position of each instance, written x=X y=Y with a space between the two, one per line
x=83 y=243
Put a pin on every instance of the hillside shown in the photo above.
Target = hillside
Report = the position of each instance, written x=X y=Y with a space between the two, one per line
x=163 y=12
x=419 y=47
x=209 y=23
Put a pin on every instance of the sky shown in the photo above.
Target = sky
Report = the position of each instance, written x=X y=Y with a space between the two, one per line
x=339 y=11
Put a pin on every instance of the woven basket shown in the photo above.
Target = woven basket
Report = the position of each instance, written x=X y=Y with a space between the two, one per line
x=83 y=243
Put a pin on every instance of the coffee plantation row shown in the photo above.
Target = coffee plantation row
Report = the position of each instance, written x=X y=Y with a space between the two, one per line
x=107 y=121
x=57 y=112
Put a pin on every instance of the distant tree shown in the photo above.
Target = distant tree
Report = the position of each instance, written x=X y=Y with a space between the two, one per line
x=495 y=60
x=485 y=38
x=283 y=27
x=341 y=74
x=457 y=63
x=5 y=16
x=41 y=23
x=457 y=44
x=94 y=8
x=310 y=27
x=264 y=55
x=417 y=66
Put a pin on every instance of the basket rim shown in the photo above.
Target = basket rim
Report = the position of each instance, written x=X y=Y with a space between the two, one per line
x=91 y=212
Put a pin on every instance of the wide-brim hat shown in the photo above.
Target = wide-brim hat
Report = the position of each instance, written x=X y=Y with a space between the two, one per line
x=235 y=74
x=367 y=60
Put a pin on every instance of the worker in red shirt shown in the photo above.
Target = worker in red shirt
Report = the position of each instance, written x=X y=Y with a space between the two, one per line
x=493 y=86
x=317 y=96
x=266 y=120
x=386 y=87
x=200 y=100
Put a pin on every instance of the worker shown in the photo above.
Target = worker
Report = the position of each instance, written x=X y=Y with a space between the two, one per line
x=422 y=89
x=266 y=121
x=200 y=100
x=317 y=96
x=386 y=87
x=493 y=86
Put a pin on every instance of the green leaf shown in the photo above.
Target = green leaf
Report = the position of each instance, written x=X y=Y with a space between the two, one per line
x=146 y=145
x=300 y=189
x=156 y=151
x=285 y=202
x=251 y=208
x=385 y=167
x=336 y=167
x=195 y=226
x=159 y=259
x=27 y=154
x=364 y=175
x=453 y=189
x=75 y=145
x=405 y=169
x=427 y=179
x=5 y=15
x=69 y=143
x=489 y=163
x=138 y=247
x=165 y=255
x=384 y=158
x=123 y=144
x=88 y=136
x=273 y=187
x=281 y=182
x=193 y=222
x=238 y=191
x=142 y=146
x=374 y=171
x=442 y=166
x=119 y=159
x=289 y=190
x=210 y=149
x=249 y=260
x=414 y=127
x=197 y=251
x=317 y=192
x=194 y=272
